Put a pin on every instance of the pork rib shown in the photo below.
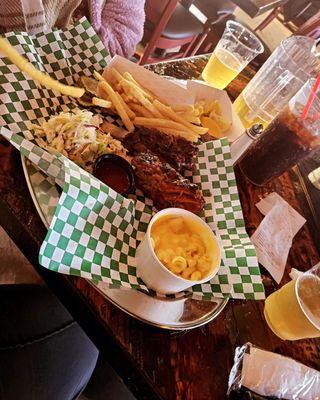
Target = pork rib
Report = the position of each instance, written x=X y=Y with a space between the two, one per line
x=164 y=185
x=175 y=150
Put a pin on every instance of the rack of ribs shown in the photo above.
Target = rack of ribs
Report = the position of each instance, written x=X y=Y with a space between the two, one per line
x=175 y=150
x=164 y=185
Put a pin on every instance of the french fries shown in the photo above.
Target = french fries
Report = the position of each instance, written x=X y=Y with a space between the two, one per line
x=116 y=75
x=44 y=79
x=188 y=115
x=96 y=101
x=210 y=115
x=133 y=103
x=191 y=118
x=182 y=107
x=136 y=93
x=169 y=113
x=98 y=76
x=130 y=113
x=130 y=78
x=139 y=109
x=136 y=105
x=118 y=105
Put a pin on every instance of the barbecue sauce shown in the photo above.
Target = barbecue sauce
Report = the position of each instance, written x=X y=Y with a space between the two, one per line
x=114 y=172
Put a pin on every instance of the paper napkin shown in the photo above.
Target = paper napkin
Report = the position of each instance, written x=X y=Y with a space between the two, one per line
x=273 y=237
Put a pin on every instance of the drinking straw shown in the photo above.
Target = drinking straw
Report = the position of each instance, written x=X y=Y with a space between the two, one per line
x=310 y=99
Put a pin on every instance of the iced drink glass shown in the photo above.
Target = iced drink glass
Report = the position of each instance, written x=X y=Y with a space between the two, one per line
x=236 y=48
x=293 y=311
x=287 y=140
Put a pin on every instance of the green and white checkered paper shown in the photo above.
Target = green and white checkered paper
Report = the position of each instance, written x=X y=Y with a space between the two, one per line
x=94 y=231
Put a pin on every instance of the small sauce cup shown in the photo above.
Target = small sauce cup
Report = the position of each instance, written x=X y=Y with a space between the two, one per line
x=156 y=275
x=116 y=172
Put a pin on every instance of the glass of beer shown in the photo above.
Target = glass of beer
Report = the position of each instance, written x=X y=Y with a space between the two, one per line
x=293 y=311
x=237 y=47
x=287 y=140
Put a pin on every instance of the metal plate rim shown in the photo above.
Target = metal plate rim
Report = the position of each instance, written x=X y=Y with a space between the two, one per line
x=187 y=326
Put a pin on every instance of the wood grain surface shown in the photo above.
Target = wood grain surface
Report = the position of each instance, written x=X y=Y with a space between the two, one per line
x=155 y=363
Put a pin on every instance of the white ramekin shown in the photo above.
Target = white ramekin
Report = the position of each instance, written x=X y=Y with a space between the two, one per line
x=154 y=274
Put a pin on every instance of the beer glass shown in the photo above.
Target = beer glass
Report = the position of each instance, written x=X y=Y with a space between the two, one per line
x=293 y=311
x=236 y=48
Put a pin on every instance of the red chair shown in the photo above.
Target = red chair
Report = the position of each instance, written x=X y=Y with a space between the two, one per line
x=216 y=12
x=292 y=14
x=168 y=25
x=311 y=28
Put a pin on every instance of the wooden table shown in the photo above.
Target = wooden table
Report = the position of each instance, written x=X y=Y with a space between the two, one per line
x=154 y=363
x=258 y=7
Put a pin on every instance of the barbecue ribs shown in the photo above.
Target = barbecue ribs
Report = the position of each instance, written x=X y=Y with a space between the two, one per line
x=164 y=185
x=176 y=151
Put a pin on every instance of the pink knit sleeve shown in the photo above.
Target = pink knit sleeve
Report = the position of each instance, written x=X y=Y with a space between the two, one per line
x=119 y=24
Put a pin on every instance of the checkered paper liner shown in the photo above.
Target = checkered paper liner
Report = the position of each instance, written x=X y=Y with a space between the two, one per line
x=44 y=190
x=64 y=54
x=94 y=231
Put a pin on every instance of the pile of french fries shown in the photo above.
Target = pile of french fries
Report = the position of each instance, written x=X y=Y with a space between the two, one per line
x=210 y=113
x=136 y=106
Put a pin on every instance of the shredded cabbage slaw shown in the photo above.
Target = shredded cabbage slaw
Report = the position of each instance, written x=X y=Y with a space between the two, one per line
x=76 y=135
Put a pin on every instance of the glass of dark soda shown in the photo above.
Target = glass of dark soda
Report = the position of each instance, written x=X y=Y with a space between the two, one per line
x=286 y=141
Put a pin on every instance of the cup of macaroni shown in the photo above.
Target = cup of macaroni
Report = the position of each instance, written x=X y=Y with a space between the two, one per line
x=178 y=251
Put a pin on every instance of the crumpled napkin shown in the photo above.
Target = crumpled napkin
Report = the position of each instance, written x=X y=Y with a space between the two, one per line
x=273 y=238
